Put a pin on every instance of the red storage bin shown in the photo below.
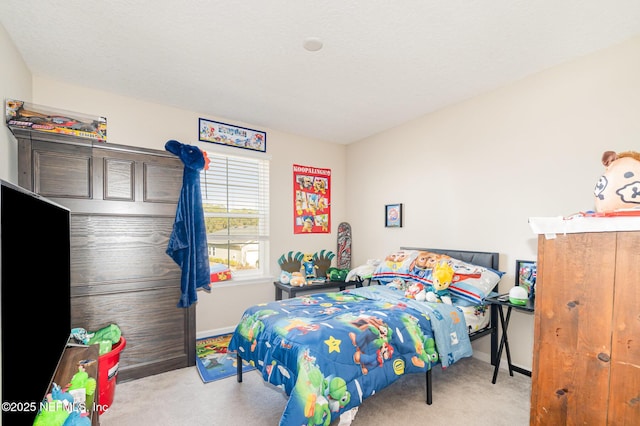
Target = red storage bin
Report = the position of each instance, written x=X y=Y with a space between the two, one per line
x=107 y=375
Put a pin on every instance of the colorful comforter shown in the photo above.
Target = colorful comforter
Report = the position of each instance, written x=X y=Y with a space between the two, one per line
x=331 y=351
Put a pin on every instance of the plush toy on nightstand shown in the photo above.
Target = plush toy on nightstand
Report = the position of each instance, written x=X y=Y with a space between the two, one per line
x=619 y=186
x=309 y=267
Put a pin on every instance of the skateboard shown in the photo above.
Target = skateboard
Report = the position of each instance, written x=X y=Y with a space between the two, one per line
x=344 y=246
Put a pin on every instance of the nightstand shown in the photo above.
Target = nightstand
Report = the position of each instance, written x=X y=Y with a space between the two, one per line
x=292 y=291
x=500 y=301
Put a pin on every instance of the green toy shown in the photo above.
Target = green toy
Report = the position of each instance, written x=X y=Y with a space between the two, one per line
x=53 y=413
x=336 y=274
x=106 y=337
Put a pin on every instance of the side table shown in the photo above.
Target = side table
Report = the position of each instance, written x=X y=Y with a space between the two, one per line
x=292 y=291
x=500 y=301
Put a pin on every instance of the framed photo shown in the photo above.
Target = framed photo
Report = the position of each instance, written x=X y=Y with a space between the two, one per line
x=236 y=136
x=393 y=215
x=526 y=273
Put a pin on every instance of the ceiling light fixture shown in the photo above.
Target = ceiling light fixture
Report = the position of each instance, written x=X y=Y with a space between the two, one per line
x=312 y=44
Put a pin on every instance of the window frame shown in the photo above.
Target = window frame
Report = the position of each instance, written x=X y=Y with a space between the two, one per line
x=257 y=164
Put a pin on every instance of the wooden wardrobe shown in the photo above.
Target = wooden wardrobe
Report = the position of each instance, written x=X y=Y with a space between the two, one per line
x=123 y=201
x=586 y=362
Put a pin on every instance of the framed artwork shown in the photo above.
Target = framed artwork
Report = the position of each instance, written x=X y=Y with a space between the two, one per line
x=311 y=200
x=236 y=136
x=526 y=273
x=393 y=215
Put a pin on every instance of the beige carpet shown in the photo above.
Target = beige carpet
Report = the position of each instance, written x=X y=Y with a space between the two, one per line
x=462 y=394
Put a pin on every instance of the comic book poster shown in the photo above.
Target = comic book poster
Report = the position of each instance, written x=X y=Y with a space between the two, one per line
x=312 y=200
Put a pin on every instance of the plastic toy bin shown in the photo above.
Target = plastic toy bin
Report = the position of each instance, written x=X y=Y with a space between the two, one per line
x=107 y=375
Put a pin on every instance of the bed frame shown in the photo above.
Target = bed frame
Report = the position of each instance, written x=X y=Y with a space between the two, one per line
x=480 y=258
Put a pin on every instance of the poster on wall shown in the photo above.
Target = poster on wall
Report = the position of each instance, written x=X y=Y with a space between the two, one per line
x=312 y=200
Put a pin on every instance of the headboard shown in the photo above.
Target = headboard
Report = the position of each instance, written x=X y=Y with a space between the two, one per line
x=480 y=258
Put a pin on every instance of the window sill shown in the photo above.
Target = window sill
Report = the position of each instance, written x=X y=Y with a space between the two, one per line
x=234 y=282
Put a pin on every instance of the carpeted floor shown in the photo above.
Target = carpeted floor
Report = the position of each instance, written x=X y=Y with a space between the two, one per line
x=462 y=394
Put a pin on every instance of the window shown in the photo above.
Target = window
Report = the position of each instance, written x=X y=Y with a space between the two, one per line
x=235 y=199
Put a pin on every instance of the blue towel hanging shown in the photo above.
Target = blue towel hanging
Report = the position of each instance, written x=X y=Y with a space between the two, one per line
x=188 y=242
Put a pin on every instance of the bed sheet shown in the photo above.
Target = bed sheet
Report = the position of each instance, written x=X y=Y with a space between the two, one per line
x=331 y=351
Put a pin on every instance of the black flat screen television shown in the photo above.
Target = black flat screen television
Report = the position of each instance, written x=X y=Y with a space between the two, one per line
x=35 y=296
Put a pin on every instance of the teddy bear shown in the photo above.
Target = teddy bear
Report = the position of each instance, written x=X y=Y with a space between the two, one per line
x=619 y=186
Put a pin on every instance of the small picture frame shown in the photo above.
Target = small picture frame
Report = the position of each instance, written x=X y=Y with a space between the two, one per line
x=526 y=274
x=393 y=216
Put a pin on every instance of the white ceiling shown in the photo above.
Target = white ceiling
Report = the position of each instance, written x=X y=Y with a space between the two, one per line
x=383 y=62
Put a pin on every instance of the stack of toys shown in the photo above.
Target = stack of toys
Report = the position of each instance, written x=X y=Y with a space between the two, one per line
x=300 y=269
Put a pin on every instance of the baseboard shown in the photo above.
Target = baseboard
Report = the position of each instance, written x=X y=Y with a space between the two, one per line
x=482 y=356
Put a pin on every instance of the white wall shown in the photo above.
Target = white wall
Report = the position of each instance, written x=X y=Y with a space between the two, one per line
x=472 y=174
x=15 y=83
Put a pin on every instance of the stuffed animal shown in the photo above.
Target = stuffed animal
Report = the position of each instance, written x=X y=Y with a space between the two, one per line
x=416 y=291
x=308 y=267
x=337 y=274
x=297 y=279
x=398 y=283
x=442 y=276
x=619 y=186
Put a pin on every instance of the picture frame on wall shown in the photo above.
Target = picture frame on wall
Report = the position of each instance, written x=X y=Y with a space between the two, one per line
x=230 y=135
x=393 y=215
x=526 y=274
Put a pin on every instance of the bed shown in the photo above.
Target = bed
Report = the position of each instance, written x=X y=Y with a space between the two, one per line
x=330 y=351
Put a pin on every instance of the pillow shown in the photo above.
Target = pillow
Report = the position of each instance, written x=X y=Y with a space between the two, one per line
x=396 y=265
x=471 y=283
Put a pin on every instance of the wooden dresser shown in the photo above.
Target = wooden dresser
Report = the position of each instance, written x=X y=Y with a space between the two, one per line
x=123 y=201
x=586 y=359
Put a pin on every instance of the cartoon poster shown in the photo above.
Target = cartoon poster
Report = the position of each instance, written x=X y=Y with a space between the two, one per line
x=312 y=200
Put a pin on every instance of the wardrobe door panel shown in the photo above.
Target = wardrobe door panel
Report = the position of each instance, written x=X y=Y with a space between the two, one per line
x=624 y=388
x=62 y=170
x=107 y=249
x=574 y=298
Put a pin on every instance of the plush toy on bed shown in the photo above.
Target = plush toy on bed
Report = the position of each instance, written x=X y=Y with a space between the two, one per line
x=416 y=291
x=619 y=186
x=441 y=277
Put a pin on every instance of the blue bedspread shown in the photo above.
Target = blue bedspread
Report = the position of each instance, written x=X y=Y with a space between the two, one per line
x=331 y=351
